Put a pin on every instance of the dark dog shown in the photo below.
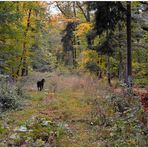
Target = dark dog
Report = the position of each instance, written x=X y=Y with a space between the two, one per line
x=40 y=84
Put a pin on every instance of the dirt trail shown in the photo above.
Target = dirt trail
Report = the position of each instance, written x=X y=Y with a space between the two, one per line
x=71 y=109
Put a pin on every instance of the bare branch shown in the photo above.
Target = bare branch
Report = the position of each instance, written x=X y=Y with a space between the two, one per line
x=61 y=9
x=82 y=10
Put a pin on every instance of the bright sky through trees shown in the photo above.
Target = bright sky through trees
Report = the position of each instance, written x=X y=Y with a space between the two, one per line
x=53 y=9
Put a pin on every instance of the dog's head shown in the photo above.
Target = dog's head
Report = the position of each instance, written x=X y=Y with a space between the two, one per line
x=43 y=80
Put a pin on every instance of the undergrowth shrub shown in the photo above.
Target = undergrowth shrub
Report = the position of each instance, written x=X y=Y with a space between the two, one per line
x=128 y=123
x=140 y=72
x=37 y=132
x=92 y=67
x=122 y=118
x=10 y=96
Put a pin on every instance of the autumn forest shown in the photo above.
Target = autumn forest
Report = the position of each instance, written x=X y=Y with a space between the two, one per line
x=73 y=73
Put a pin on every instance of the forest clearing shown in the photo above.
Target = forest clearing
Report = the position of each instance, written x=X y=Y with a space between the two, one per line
x=73 y=74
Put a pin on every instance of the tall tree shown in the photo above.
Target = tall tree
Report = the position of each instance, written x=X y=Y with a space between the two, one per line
x=24 y=70
x=129 y=50
x=19 y=26
x=107 y=16
x=68 y=40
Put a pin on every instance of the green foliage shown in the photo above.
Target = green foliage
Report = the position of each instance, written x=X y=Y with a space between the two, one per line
x=114 y=66
x=89 y=61
x=10 y=98
x=37 y=131
x=30 y=38
x=44 y=61
x=2 y=130
x=19 y=30
x=140 y=71
x=126 y=128
x=92 y=67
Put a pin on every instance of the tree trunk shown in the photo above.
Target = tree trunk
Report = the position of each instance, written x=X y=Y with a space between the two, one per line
x=84 y=12
x=138 y=52
x=24 y=70
x=120 y=65
x=100 y=71
x=74 y=9
x=108 y=70
x=88 y=14
x=73 y=57
x=138 y=56
x=129 y=51
x=108 y=63
x=120 y=73
x=74 y=51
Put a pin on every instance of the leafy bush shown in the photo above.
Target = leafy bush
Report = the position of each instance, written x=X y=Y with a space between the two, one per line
x=1 y=129
x=127 y=128
x=140 y=73
x=113 y=67
x=92 y=67
x=38 y=132
x=88 y=60
x=9 y=96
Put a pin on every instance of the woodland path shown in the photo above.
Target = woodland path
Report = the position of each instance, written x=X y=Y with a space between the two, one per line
x=71 y=108
x=71 y=100
x=76 y=108
x=78 y=102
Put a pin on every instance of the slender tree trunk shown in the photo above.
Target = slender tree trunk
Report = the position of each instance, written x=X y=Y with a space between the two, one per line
x=100 y=71
x=17 y=6
x=108 y=57
x=74 y=51
x=25 y=65
x=88 y=14
x=108 y=70
x=100 y=74
x=129 y=51
x=120 y=74
x=146 y=59
x=78 y=41
x=74 y=42
x=120 y=70
x=138 y=52
x=73 y=56
x=74 y=9
x=89 y=40
x=138 y=56
x=24 y=70
x=120 y=64
x=108 y=65
x=85 y=13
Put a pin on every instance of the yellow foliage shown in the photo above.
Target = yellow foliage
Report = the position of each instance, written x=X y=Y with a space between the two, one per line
x=88 y=56
x=60 y=18
x=27 y=53
x=83 y=28
x=132 y=142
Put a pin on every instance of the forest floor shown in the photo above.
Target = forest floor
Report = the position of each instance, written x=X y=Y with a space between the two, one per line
x=75 y=101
